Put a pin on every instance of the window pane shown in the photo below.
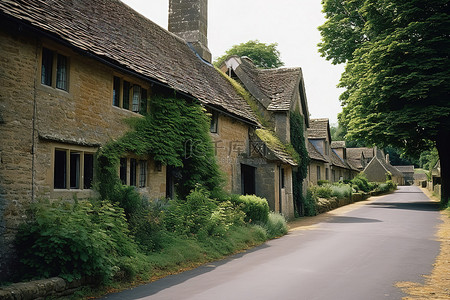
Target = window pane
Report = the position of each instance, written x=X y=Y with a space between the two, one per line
x=74 y=170
x=132 y=172
x=60 y=172
x=47 y=66
x=123 y=170
x=143 y=106
x=61 y=72
x=116 y=91
x=136 y=98
x=142 y=173
x=88 y=170
x=318 y=173
x=214 y=122
x=126 y=94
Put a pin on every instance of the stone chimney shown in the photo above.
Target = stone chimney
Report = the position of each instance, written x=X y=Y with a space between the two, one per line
x=189 y=20
x=387 y=159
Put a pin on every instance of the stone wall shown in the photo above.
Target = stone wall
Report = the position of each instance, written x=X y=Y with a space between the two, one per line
x=37 y=119
x=231 y=144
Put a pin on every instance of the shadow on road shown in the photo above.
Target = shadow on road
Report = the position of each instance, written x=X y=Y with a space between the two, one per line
x=343 y=219
x=420 y=206
x=152 y=288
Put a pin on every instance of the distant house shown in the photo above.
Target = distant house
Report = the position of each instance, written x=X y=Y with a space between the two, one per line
x=319 y=149
x=278 y=93
x=341 y=169
x=360 y=157
x=408 y=173
x=328 y=159
x=379 y=169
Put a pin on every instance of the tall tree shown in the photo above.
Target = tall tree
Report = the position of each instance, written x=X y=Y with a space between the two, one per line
x=397 y=75
x=264 y=56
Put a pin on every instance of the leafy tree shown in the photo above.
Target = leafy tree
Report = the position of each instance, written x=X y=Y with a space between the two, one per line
x=397 y=73
x=264 y=56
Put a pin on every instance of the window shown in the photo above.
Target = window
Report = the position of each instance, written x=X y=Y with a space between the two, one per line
x=282 y=179
x=129 y=96
x=137 y=171
x=136 y=98
x=327 y=174
x=116 y=91
x=123 y=170
x=132 y=171
x=71 y=168
x=54 y=70
x=214 y=122
x=47 y=67
x=142 y=173
x=318 y=173
x=126 y=95
x=333 y=174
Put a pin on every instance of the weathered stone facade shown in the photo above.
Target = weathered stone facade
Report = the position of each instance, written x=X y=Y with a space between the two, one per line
x=38 y=119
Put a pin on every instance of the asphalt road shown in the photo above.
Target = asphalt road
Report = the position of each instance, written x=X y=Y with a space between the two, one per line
x=357 y=255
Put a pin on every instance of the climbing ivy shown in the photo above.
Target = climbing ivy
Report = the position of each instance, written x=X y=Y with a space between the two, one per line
x=298 y=142
x=174 y=133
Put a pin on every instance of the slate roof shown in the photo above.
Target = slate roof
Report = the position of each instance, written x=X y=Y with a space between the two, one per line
x=315 y=154
x=337 y=161
x=277 y=85
x=405 y=169
x=420 y=176
x=337 y=144
x=318 y=129
x=115 y=33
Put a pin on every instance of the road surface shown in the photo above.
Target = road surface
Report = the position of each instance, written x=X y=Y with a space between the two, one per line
x=357 y=255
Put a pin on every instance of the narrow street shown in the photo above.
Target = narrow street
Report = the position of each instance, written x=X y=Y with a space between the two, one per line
x=358 y=254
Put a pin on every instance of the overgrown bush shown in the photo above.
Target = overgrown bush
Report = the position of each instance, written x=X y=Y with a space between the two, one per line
x=310 y=203
x=361 y=182
x=199 y=214
x=341 y=191
x=323 y=191
x=72 y=240
x=276 y=225
x=322 y=182
x=255 y=208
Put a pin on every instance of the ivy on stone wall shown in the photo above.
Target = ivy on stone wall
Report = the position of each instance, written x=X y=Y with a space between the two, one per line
x=299 y=144
x=174 y=133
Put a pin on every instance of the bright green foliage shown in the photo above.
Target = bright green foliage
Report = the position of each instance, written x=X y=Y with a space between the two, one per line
x=310 y=203
x=361 y=182
x=175 y=133
x=76 y=240
x=201 y=215
x=256 y=209
x=265 y=56
x=299 y=145
x=397 y=77
x=428 y=159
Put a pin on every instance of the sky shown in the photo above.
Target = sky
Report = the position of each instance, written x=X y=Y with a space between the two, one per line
x=290 y=23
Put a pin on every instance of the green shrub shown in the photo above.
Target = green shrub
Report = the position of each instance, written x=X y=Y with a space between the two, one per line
x=324 y=191
x=199 y=214
x=310 y=202
x=341 y=191
x=276 y=225
x=361 y=182
x=255 y=208
x=76 y=240
x=322 y=182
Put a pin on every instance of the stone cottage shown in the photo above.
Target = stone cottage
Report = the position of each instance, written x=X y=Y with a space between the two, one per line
x=277 y=93
x=379 y=169
x=408 y=173
x=72 y=71
x=342 y=169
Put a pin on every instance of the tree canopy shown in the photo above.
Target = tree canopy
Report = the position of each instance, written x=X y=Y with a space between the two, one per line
x=397 y=75
x=264 y=56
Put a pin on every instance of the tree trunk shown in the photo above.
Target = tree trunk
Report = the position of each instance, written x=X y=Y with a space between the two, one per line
x=443 y=147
